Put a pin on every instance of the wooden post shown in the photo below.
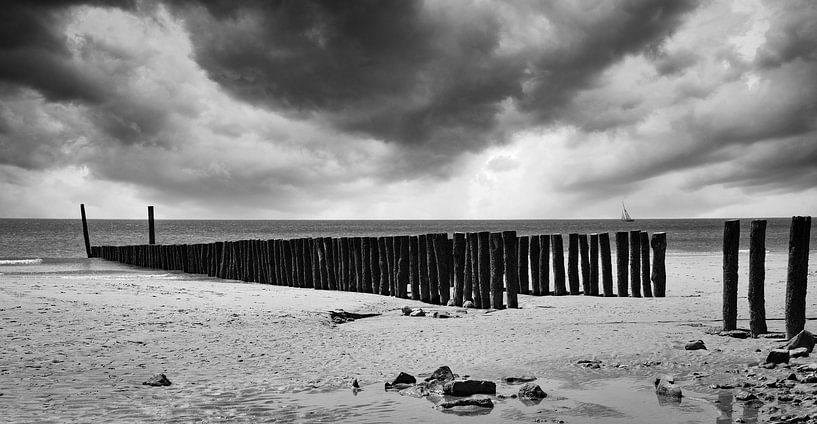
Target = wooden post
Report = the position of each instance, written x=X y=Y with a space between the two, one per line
x=443 y=256
x=422 y=263
x=496 y=271
x=622 y=261
x=543 y=265
x=606 y=265
x=392 y=264
x=459 y=268
x=573 y=263
x=414 y=267
x=645 y=264
x=85 y=230
x=151 y=228
x=511 y=254
x=468 y=272
x=731 y=237
x=403 y=266
x=797 y=274
x=534 y=265
x=484 y=267
x=433 y=276
x=658 y=241
x=584 y=254
x=594 y=264
x=357 y=285
x=635 y=262
x=522 y=265
x=345 y=266
x=757 y=278
x=557 y=249
x=367 y=271
x=383 y=261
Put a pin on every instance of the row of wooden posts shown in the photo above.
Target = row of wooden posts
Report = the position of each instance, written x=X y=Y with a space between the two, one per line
x=796 y=276
x=485 y=268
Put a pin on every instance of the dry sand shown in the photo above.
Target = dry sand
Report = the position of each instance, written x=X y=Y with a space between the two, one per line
x=76 y=346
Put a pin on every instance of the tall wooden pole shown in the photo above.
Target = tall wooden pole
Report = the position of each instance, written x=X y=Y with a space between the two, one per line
x=534 y=265
x=645 y=264
x=522 y=266
x=496 y=271
x=573 y=263
x=459 y=268
x=658 y=241
x=635 y=262
x=414 y=267
x=484 y=268
x=797 y=274
x=558 y=251
x=85 y=230
x=151 y=228
x=509 y=248
x=544 y=265
x=757 y=277
x=622 y=261
x=731 y=237
x=584 y=255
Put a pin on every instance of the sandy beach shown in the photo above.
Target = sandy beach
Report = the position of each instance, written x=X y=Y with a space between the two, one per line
x=77 y=345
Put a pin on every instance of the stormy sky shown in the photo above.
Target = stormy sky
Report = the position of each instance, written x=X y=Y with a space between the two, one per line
x=408 y=109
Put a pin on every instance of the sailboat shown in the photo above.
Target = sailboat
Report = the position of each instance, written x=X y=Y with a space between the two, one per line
x=625 y=216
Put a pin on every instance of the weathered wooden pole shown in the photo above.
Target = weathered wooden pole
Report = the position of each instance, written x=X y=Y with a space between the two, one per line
x=543 y=265
x=443 y=255
x=383 y=259
x=573 y=263
x=85 y=230
x=594 y=264
x=522 y=265
x=496 y=271
x=606 y=265
x=658 y=241
x=584 y=254
x=151 y=227
x=391 y=263
x=365 y=266
x=459 y=268
x=433 y=276
x=534 y=265
x=622 y=262
x=797 y=275
x=422 y=262
x=484 y=266
x=468 y=270
x=557 y=249
x=511 y=255
x=731 y=237
x=635 y=262
x=403 y=267
x=414 y=267
x=757 y=278
x=645 y=265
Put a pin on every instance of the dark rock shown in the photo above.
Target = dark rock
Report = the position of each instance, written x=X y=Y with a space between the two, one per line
x=355 y=384
x=792 y=377
x=157 y=380
x=519 y=380
x=407 y=310
x=778 y=356
x=811 y=379
x=478 y=402
x=468 y=304
x=437 y=314
x=745 y=396
x=532 y=391
x=802 y=339
x=768 y=366
x=695 y=345
x=738 y=334
x=442 y=374
x=418 y=313
x=665 y=386
x=469 y=387
x=404 y=378
x=800 y=352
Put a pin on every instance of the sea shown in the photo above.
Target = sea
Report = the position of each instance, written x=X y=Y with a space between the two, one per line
x=28 y=241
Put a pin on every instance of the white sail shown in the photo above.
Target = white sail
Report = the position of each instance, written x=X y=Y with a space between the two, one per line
x=625 y=216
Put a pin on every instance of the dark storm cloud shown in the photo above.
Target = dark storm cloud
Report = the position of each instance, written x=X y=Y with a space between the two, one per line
x=422 y=77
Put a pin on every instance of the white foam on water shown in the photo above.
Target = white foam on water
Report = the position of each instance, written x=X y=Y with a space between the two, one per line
x=21 y=261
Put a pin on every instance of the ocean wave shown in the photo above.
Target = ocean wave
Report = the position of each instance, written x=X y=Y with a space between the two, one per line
x=21 y=261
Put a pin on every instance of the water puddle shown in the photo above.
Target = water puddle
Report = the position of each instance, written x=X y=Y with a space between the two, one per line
x=618 y=400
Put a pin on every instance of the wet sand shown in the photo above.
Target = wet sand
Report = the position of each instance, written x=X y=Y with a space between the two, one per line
x=77 y=346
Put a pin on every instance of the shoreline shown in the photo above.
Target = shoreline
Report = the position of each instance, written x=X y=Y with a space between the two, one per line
x=81 y=343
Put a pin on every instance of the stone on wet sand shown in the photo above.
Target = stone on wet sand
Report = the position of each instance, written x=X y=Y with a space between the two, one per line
x=417 y=391
x=404 y=378
x=738 y=334
x=695 y=345
x=417 y=313
x=407 y=310
x=519 y=380
x=778 y=356
x=469 y=387
x=745 y=396
x=157 y=380
x=532 y=391
x=468 y=304
x=442 y=373
x=802 y=339
x=665 y=386
x=469 y=402
x=800 y=352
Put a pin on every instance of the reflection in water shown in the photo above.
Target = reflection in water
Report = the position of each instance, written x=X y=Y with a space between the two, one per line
x=725 y=405
x=668 y=400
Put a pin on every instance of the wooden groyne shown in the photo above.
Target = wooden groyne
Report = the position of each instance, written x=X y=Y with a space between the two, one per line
x=479 y=269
